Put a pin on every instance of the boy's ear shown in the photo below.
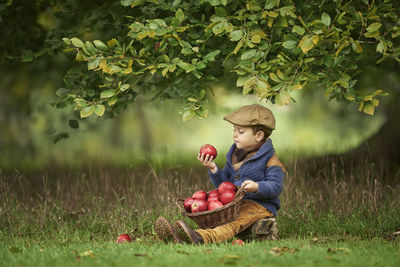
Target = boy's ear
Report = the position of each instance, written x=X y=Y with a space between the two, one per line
x=260 y=136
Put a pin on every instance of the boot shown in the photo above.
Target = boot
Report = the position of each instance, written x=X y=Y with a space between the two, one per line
x=166 y=231
x=187 y=234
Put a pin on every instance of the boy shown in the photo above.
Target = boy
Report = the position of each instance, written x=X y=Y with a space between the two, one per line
x=252 y=164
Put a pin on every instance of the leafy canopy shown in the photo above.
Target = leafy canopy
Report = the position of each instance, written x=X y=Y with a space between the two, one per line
x=175 y=49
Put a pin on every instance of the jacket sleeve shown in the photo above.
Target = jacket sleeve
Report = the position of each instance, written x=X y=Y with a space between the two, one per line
x=272 y=187
x=220 y=176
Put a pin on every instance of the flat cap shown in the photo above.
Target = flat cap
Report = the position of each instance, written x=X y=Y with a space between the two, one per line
x=250 y=115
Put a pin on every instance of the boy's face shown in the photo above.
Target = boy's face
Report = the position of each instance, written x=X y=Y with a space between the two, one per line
x=244 y=137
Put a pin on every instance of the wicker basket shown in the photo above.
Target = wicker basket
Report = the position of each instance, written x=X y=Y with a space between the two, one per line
x=219 y=216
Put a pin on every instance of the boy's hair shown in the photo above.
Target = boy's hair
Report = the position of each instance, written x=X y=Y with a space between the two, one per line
x=267 y=132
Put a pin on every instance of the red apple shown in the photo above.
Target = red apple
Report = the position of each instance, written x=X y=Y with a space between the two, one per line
x=237 y=242
x=208 y=150
x=215 y=204
x=224 y=186
x=124 y=238
x=213 y=193
x=199 y=205
x=228 y=196
x=187 y=204
x=200 y=195
x=212 y=199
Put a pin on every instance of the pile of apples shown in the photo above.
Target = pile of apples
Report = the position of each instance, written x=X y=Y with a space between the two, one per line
x=201 y=201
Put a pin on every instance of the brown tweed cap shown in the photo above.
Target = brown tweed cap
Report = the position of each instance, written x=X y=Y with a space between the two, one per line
x=250 y=115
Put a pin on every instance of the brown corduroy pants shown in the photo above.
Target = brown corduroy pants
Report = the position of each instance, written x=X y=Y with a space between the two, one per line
x=249 y=213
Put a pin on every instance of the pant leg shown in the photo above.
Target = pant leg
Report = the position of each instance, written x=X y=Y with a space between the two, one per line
x=249 y=213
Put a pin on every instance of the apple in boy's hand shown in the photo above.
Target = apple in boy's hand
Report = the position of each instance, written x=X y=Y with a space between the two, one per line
x=199 y=205
x=208 y=150
x=213 y=193
x=187 y=204
x=228 y=196
x=124 y=238
x=237 y=242
x=225 y=186
x=214 y=204
x=200 y=195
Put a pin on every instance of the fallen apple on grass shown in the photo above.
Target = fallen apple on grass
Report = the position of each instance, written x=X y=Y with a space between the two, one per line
x=124 y=238
x=238 y=242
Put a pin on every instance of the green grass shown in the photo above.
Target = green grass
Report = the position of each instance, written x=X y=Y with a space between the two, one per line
x=333 y=213
x=287 y=252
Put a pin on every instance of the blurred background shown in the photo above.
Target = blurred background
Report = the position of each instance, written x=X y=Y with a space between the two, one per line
x=35 y=135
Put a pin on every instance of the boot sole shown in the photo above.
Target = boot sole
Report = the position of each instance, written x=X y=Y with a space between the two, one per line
x=184 y=232
x=165 y=231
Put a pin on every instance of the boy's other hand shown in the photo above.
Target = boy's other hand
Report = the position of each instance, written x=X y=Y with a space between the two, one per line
x=208 y=162
x=250 y=186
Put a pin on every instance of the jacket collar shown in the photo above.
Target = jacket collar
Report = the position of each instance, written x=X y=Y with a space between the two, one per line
x=266 y=148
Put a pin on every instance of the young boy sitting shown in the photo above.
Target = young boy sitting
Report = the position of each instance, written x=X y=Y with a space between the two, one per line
x=252 y=164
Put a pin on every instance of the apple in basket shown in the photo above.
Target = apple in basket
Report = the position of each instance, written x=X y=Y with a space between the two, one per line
x=213 y=194
x=200 y=195
x=187 y=204
x=208 y=150
x=199 y=205
x=228 y=196
x=225 y=186
x=214 y=204
x=213 y=199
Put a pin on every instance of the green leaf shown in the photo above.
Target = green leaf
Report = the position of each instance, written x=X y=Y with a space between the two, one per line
x=126 y=2
x=289 y=44
x=248 y=54
x=274 y=77
x=92 y=64
x=124 y=87
x=99 y=110
x=374 y=27
x=326 y=19
x=186 y=66
x=210 y=56
x=87 y=111
x=77 y=42
x=253 y=6
x=298 y=29
x=356 y=47
x=107 y=93
x=179 y=15
x=100 y=45
x=283 y=98
x=66 y=41
x=187 y=115
x=307 y=45
x=369 y=106
x=236 y=35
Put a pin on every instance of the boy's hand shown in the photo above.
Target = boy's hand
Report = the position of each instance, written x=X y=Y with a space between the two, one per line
x=208 y=162
x=250 y=186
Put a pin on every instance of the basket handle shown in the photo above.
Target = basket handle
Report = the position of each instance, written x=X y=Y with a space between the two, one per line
x=241 y=189
x=179 y=204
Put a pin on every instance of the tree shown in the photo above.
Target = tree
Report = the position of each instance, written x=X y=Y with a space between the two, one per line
x=175 y=49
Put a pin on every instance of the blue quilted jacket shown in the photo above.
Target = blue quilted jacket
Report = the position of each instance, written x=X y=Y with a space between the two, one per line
x=269 y=179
